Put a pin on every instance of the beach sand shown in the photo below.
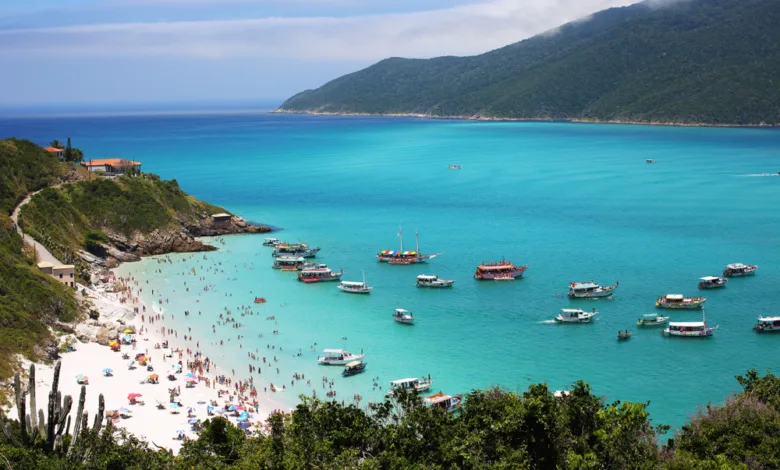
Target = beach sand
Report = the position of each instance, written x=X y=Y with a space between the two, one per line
x=158 y=426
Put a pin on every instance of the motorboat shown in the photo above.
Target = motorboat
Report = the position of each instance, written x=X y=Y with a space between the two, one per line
x=454 y=167
x=499 y=270
x=353 y=368
x=652 y=319
x=649 y=160
x=404 y=257
x=739 y=269
x=260 y=300
x=411 y=384
x=573 y=315
x=712 y=282
x=295 y=249
x=425 y=280
x=623 y=335
x=338 y=357
x=679 y=301
x=289 y=263
x=449 y=403
x=694 y=329
x=403 y=316
x=319 y=273
x=355 y=287
x=590 y=290
x=271 y=242
x=767 y=324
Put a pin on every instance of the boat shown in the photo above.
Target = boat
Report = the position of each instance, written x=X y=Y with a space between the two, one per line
x=500 y=270
x=623 y=335
x=679 y=301
x=295 y=249
x=767 y=324
x=289 y=263
x=338 y=357
x=355 y=287
x=573 y=315
x=425 y=280
x=404 y=257
x=590 y=290
x=652 y=319
x=454 y=167
x=260 y=300
x=353 y=368
x=403 y=316
x=411 y=384
x=449 y=403
x=739 y=269
x=695 y=329
x=712 y=282
x=271 y=242
x=649 y=160
x=319 y=273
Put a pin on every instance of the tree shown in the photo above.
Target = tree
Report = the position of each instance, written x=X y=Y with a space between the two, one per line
x=56 y=144
x=68 y=152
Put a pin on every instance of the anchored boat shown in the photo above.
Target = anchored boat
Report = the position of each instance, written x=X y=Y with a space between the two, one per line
x=319 y=273
x=353 y=368
x=289 y=263
x=767 y=324
x=338 y=357
x=694 y=329
x=295 y=249
x=623 y=335
x=411 y=383
x=590 y=290
x=712 y=282
x=652 y=319
x=573 y=315
x=679 y=301
x=499 y=270
x=403 y=316
x=271 y=242
x=450 y=403
x=739 y=269
x=404 y=257
x=355 y=287
x=424 y=280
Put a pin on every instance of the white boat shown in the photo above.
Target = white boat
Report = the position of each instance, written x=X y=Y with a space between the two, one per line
x=355 y=287
x=411 y=383
x=739 y=269
x=338 y=357
x=712 y=282
x=425 y=280
x=767 y=324
x=271 y=242
x=679 y=301
x=403 y=316
x=590 y=290
x=319 y=273
x=454 y=167
x=694 y=329
x=652 y=319
x=649 y=160
x=289 y=263
x=449 y=403
x=573 y=315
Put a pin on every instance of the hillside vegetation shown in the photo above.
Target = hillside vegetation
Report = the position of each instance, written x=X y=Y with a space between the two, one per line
x=693 y=61
x=29 y=301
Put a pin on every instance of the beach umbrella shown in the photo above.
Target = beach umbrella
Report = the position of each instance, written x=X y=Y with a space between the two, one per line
x=231 y=408
x=154 y=376
x=191 y=379
x=133 y=396
x=177 y=366
x=126 y=337
x=193 y=420
x=131 y=363
x=175 y=405
x=220 y=411
x=125 y=410
x=209 y=408
x=189 y=374
x=108 y=371
x=128 y=331
x=244 y=425
x=179 y=431
x=241 y=418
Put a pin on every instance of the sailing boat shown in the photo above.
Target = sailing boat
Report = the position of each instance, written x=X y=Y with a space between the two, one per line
x=355 y=287
x=404 y=257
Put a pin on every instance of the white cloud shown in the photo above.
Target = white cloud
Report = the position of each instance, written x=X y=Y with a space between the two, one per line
x=461 y=30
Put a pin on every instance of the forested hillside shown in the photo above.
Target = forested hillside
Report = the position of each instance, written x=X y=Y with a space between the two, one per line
x=693 y=61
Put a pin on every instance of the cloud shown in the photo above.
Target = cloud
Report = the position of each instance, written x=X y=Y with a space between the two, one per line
x=460 y=30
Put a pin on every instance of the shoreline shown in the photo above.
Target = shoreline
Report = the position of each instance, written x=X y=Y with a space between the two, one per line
x=505 y=119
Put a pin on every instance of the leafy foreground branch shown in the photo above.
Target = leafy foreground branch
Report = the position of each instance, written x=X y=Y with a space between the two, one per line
x=495 y=429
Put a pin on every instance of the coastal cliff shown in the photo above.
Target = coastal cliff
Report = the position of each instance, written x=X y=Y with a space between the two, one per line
x=699 y=62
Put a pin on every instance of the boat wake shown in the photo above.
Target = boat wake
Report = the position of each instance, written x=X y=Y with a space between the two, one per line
x=547 y=322
x=756 y=175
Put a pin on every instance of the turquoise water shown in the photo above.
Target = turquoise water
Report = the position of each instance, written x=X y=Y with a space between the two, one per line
x=575 y=201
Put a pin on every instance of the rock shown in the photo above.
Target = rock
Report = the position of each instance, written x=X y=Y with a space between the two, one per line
x=103 y=336
x=84 y=338
x=121 y=256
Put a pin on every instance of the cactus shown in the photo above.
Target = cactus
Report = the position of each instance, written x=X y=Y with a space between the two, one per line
x=31 y=389
x=99 y=416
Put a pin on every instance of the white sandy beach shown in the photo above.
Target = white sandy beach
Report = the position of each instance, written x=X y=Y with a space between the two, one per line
x=158 y=426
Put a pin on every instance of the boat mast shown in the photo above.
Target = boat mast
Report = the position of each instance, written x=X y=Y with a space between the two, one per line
x=401 y=235
x=364 y=278
x=417 y=241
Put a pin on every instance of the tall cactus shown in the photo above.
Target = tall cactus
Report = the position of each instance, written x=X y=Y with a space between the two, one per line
x=31 y=389
x=79 y=414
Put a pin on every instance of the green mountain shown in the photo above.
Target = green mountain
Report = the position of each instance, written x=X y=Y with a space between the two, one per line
x=690 y=61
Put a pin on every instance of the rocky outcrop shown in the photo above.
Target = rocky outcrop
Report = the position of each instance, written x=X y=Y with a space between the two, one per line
x=209 y=228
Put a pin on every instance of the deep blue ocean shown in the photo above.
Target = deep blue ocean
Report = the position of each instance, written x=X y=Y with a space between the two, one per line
x=574 y=201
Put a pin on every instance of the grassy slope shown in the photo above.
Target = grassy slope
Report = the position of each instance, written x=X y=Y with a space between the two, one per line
x=699 y=61
x=29 y=300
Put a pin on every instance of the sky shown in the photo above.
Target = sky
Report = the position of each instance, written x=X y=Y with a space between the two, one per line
x=167 y=51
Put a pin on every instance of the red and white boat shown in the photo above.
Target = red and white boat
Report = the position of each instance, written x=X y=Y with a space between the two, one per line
x=739 y=269
x=499 y=270
x=320 y=273
x=404 y=257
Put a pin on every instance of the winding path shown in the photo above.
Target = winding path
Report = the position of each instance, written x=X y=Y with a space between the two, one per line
x=40 y=250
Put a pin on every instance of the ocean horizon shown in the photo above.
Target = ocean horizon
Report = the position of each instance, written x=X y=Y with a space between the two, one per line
x=574 y=201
